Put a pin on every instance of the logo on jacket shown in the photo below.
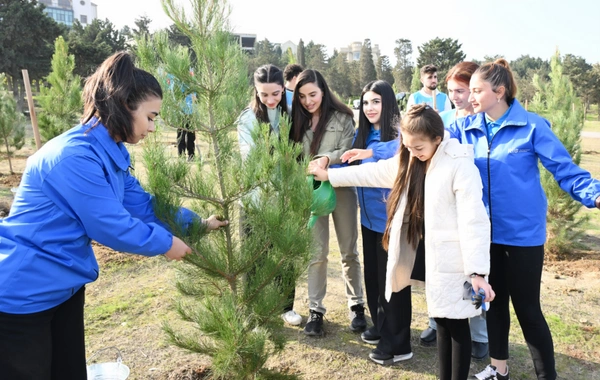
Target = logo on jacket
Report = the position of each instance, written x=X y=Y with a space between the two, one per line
x=517 y=150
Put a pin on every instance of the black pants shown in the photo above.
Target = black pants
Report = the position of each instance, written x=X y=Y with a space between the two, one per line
x=49 y=345
x=516 y=274
x=454 y=348
x=392 y=318
x=185 y=141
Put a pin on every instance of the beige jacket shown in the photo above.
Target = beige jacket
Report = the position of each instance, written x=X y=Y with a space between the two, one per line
x=338 y=136
x=457 y=228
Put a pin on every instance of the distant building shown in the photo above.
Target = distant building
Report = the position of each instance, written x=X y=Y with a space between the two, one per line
x=352 y=52
x=67 y=11
x=246 y=41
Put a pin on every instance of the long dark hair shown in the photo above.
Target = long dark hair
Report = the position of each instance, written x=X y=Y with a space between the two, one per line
x=267 y=74
x=424 y=121
x=114 y=90
x=301 y=117
x=390 y=115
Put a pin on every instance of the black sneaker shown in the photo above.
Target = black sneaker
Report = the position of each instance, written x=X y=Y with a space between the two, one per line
x=314 y=325
x=357 y=316
x=371 y=336
x=382 y=358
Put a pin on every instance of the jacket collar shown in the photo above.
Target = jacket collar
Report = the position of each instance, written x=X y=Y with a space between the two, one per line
x=517 y=116
x=115 y=150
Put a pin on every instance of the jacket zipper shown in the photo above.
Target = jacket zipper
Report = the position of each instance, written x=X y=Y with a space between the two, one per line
x=489 y=170
x=362 y=194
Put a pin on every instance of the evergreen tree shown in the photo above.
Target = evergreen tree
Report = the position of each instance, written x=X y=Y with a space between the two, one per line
x=300 y=52
x=290 y=58
x=367 y=67
x=415 y=84
x=94 y=43
x=26 y=37
x=403 y=70
x=234 y=287
x=384 y=70
x=443 y=53
x=61 y=102
x=12 y=131
x=557 y=102
x=315 y=57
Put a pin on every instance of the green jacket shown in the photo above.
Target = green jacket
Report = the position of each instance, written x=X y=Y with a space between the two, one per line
x=338 y=136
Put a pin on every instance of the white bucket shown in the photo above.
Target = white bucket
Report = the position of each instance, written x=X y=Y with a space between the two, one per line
x=108 y=371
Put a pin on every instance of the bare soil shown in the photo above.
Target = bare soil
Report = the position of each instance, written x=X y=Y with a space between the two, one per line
x=135 y=296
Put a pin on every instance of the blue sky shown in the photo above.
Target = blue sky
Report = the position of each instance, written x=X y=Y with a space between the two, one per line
x=510 y=28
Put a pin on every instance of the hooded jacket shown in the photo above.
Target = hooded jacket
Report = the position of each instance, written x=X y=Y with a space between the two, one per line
x=457 y=239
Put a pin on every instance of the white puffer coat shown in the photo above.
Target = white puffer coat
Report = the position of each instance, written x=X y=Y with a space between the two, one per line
x=457 y=228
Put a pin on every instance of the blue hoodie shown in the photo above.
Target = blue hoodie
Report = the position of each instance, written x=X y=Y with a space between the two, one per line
x=508 y=164
x=373 y=213
x=76 y=189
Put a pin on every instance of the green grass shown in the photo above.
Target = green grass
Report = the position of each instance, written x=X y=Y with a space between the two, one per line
x=592 y=122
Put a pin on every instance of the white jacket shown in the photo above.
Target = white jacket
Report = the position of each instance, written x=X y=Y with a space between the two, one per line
x=457 y=228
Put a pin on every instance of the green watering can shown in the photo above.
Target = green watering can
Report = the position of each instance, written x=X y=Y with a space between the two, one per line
x=323 y=199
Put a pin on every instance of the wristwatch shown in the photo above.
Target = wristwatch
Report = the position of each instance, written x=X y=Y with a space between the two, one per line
x=473 y=275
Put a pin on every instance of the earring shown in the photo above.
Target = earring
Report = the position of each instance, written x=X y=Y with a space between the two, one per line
x=498 y=100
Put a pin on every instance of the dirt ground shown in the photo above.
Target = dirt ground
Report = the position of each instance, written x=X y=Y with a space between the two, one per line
x=143 y=291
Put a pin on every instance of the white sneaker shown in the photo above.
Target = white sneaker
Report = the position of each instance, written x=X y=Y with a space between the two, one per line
x=490 y=373
x=292 y=318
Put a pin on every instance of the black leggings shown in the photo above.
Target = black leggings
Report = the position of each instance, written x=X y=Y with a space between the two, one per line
x=516 y=274
x=49 y=345
x=454 y=348
x=391 y=318
x=185 y=141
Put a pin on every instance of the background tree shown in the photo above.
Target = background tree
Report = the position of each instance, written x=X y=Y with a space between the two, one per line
x=229 y=283
x=580 y=74
x=290 y=58
x=367 y=67
x=525 y=68
x=315 y=57
x=595 y=96
x=27 y=36
x=94 y=43
x=264 y=53
x=300 y=52
x=339 y=76
x=12 y=131
x=415 y=84
x=556 y=101
x=61 y=101
x=443 y=53
x=403 y=71
x=384 y=70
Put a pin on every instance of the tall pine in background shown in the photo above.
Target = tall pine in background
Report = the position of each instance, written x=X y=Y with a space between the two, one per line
x=61 y=100
x=368 y=72
x=12 y=130
x=556 y=101
x=234 y=285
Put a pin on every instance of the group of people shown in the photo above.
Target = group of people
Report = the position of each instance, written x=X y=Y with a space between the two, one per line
x=451 y=199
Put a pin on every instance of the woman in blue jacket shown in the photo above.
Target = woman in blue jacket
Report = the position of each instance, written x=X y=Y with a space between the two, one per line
x=377 y=139
x=76 y=189
x=508 y=143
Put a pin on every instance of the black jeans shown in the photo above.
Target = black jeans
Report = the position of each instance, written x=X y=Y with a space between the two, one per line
x=454 y=348
x=392 y=318
x=516 y=274
x=49 y=345
x=185 y=141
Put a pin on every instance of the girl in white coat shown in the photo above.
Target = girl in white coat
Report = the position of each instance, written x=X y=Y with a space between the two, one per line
x=436 y=196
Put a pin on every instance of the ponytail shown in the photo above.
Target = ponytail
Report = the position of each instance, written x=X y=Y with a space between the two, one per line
x=498 y=73
x=114 y=90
